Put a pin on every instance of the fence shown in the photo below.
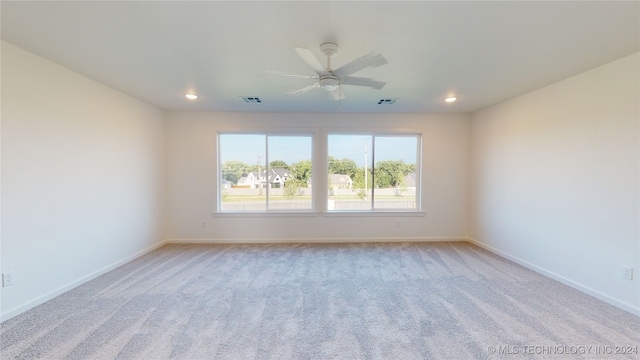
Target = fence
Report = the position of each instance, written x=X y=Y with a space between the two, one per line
x=306 y=205
x=307 y=192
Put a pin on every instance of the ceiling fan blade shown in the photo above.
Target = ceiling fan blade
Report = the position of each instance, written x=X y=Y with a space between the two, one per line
x=372 y=59
x=337 y=94
x=360 y=81
x=277 y=73
x=311 y=60
x=304 y=89
x=378 y=60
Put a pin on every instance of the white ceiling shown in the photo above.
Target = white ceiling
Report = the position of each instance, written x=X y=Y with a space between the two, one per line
x=482 y=52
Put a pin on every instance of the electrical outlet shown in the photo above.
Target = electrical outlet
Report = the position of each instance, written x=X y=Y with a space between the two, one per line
x=7 y=279
x=627 y=273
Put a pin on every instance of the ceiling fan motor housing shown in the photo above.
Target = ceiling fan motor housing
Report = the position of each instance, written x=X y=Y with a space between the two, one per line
x=329 y=82
x=329 y=49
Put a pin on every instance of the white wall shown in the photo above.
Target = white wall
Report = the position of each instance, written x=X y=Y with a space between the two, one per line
x=192 y=180
x=555 y=178
x=82 y=178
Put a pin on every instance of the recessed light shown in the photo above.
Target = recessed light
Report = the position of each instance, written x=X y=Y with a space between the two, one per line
x=451 y=99
x=191 y=96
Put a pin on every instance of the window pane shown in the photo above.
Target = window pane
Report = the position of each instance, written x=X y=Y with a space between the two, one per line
x=242 y=158
x=349 y=172
x=289 y=172
x=395 y=172
x=261 y=172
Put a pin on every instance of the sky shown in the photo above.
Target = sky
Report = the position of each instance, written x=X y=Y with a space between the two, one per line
x=291 y=149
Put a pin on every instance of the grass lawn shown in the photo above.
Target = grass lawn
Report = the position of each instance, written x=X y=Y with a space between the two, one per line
x=238 y=198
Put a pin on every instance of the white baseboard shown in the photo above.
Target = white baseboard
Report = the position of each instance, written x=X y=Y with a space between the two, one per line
x=585 y=289
x=46 y=297
x=314 y=240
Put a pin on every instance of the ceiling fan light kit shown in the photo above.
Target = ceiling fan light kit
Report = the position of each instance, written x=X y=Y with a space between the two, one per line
x=329 y=79
x=329 y=83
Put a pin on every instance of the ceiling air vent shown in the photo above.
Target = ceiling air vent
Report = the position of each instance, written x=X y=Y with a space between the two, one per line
x=387 y=101
x=252 y=99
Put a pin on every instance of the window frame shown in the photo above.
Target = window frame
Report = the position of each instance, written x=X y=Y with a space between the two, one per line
x=320 y=171
x=418 y=211
x=312 y=211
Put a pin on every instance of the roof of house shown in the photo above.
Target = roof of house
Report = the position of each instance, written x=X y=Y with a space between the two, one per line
x=275 y=175
x=282 y=172
x=410 y=179
x=338 y=179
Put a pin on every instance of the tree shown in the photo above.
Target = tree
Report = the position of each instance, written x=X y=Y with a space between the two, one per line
x=390 y=173
x=301 y=171
x=290 y=189
x=233 y=170
x=343 y=167
x=402 y=185
x=358 y=183
x=409 y=168
x=278 y=164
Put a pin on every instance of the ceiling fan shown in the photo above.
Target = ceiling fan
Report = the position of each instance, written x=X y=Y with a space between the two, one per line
x=331 y=80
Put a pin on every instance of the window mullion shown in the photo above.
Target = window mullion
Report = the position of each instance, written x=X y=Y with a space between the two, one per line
x=266 y=171
x=373 y=170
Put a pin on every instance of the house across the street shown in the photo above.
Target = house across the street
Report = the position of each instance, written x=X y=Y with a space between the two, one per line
x=275 y=178
x=340 y=181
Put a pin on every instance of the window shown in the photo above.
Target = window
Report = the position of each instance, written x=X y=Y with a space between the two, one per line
x=373 y=172
x=263 y=172
x=365 y=173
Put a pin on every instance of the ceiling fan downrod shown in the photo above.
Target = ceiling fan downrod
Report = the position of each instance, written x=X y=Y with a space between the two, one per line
x=329 y=49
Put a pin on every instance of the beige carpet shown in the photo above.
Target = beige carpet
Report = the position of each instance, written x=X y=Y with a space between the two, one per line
x=342 y=301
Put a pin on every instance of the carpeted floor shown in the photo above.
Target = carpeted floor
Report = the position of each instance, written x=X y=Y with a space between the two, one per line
x=322 y=301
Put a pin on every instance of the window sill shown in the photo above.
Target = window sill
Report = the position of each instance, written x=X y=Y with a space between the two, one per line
x=324 y=214
x=387 y=213
x=266 y=214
